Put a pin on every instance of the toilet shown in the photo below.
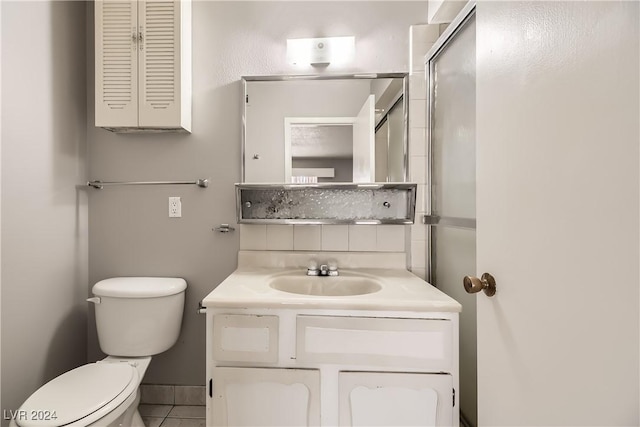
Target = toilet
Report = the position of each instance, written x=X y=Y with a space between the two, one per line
x=136 y=318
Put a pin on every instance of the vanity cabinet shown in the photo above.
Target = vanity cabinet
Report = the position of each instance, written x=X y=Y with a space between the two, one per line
x=143 y=65
x=331 y=367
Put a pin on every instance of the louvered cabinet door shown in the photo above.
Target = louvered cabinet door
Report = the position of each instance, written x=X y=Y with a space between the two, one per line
x=160 y=63
x=116 y=63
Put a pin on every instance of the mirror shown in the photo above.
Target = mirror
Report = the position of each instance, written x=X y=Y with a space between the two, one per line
x=307 y=129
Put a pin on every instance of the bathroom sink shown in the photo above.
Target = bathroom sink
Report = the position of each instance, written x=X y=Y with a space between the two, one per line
x=325 y=286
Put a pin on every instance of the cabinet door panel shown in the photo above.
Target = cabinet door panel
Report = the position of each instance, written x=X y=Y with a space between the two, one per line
x=266 y=397
x=416 y=343
x=245 y=338
x=160 y=61
x=395 y=399
x=116 y=63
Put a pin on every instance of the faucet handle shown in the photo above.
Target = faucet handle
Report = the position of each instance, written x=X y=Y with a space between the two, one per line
x=312 y=268
x=333 y=268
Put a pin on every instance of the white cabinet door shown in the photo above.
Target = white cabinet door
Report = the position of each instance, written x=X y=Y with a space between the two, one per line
x=116 y=72
x=143 y=64
x=395 y=399
x=160 y=59
x=266 y=397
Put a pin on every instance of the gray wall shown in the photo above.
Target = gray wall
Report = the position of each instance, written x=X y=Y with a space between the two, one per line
x=44 y=218
x=131 y=233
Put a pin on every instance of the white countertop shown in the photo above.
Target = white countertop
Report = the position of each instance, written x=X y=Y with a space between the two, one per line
x=248 y=287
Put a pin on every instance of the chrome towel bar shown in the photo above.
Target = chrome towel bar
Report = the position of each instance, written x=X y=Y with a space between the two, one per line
x=204 y=183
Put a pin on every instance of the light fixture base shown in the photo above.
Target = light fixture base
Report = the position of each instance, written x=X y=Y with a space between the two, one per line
x=320 y=52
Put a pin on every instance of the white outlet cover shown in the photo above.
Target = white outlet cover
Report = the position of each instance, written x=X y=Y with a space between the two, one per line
x=175 y=207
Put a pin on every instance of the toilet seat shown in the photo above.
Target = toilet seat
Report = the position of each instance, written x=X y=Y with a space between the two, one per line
x=80 y=396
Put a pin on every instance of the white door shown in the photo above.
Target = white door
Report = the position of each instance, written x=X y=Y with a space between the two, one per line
x=558 y=212
x=364 y=142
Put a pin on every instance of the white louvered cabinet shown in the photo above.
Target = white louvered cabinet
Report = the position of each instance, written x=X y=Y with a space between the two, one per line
x=143 y=65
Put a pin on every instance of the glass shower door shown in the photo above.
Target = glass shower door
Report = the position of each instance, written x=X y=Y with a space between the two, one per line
x=452 y=114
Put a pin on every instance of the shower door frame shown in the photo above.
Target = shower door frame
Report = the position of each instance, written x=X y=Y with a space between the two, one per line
x=454 y=28
x=467 y=12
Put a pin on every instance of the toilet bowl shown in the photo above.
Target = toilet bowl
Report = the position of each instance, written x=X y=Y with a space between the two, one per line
x=136 y=318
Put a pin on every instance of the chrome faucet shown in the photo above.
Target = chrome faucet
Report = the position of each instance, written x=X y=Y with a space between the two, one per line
x=329 y=269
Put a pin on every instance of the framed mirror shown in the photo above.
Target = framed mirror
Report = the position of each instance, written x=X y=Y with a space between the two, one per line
x=327 y=129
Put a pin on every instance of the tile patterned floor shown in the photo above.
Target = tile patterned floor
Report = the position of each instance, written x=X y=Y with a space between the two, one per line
x=172 y=416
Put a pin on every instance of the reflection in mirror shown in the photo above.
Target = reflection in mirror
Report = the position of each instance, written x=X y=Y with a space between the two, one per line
x=307 y=129
x=321 y=152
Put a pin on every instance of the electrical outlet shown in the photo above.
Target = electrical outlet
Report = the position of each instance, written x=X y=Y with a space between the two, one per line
x=175 y=207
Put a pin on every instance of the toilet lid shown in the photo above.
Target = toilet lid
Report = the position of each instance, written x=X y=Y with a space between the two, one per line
x=75 y=394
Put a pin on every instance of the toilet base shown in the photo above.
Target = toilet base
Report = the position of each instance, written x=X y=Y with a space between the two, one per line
x=130 y=417
x=137 y=419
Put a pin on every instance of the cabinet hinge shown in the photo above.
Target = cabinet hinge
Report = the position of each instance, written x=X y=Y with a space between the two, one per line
x=246 y=99
x=211 y=387
x=454 y=397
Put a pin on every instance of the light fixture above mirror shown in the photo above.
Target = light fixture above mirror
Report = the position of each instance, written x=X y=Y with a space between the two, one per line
x=321 y=51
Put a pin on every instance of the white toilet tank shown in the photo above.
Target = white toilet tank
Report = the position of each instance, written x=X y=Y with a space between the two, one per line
x=138 y=316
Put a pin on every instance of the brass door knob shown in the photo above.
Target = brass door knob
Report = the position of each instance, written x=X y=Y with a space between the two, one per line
x=486 y=283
